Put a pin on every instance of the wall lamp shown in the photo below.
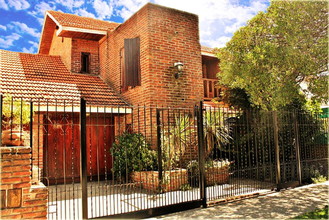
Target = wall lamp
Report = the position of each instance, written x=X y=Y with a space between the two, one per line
x=179 y=69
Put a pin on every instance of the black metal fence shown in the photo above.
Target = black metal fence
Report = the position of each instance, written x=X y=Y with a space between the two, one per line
x=111 y=160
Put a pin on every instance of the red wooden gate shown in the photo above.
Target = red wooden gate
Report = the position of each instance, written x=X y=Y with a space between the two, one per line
x=62 y=131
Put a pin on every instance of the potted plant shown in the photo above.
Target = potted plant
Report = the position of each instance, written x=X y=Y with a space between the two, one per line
x=135 y=161
x=131 y=153
x=174 y=141
x=16 y=115
x=216 y=172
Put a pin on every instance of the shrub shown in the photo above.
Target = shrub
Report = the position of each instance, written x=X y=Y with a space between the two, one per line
x=194 y=173
x=15 y=112
x=318 y=178
x=131 y=153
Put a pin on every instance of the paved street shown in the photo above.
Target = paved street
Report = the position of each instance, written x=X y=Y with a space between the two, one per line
x=280 y=205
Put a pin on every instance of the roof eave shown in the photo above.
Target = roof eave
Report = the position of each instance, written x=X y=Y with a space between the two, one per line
x=208 y=54
x=79 y=30
x=67 y=28
x=43 y=26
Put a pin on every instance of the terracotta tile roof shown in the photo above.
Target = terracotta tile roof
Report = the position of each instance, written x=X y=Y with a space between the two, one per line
x=207 y=49
x=77 y=21
x=44 y=77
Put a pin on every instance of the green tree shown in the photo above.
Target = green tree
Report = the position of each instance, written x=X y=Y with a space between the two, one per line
x=276 y=51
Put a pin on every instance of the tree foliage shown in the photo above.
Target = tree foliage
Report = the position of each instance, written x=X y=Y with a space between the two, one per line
x=276 y=51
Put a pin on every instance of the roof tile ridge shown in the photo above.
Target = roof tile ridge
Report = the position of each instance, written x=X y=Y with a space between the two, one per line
x=82 y=16
x=34 y=54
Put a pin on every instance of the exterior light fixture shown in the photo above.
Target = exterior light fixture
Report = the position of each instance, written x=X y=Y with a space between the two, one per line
x=179 y=69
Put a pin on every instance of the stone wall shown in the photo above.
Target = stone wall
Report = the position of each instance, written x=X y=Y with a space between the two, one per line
x=19 y=198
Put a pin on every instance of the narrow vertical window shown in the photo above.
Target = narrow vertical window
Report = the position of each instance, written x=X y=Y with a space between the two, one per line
x=132 y=70
x=85 y=62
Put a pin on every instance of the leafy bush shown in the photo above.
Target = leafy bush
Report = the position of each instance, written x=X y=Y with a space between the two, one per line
x=185 y=187
x=223 y=164
x=318 y=178
x=193 y=165
x=15 y=112
x=131 y=153
x=194 y=172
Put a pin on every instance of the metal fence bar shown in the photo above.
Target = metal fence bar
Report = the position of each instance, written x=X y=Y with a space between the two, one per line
x=299 y=172
x=276 y=146
x=202 y=185
x=83 y=160
x=260 y=146
x=159 y=146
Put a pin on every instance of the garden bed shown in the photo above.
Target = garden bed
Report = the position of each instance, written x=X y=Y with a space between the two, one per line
x=149 y=180
x=216 y=176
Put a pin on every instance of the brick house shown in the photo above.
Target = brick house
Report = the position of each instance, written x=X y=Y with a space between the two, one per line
x=107 y=63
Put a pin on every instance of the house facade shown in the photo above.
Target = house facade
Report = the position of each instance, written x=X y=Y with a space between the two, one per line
x=145 y=47
x=108 y=64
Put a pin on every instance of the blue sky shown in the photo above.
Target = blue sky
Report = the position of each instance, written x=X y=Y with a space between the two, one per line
x=21 y=20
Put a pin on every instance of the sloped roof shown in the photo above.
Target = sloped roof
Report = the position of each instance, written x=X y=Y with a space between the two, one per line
x=71 y=26
x=71 y=20
x=207 y=49
x=44 y=77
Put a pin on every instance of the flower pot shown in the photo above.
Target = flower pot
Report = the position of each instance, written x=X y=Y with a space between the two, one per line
x=12 y=138
x=149 y=180
x=217 y=175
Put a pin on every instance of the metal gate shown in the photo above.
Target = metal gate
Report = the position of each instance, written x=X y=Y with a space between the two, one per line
x=111 y=161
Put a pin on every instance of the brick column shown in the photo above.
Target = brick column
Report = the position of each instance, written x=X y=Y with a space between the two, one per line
x=37 y=154
x=19 y=198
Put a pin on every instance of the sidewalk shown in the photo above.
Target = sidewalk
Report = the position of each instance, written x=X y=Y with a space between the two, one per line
x=280 y=205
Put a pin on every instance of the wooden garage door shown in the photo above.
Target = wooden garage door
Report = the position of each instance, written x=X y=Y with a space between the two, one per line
x=63 y=132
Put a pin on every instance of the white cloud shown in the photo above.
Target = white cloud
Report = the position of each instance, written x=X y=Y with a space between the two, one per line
x=3 y=27
x=19 y=4
x=39 y=11
x=40 y=8
x=24 y=29
x=219 y=42
x=83 y=12
x=70 y=4
x=217 y=19
x=34 y=44
x=7 y=41
x=103 y=9
x=129 y=7
x=32 y=49
x=3 y=5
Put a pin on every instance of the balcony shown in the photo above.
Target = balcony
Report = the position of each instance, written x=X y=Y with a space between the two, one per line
x=210 y=89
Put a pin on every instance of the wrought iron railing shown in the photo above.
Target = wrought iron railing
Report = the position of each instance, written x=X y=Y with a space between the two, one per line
x=134 y=159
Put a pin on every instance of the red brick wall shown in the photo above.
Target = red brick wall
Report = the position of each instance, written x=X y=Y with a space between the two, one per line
x=37 y=142
x=19 y=199
x=136 y=26
x=174 y=36
x=167 y=36
x=62 y=46
x=88 y=46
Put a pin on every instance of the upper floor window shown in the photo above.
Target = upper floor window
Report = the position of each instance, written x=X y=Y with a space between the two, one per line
x=85 y=62
x=130 y=63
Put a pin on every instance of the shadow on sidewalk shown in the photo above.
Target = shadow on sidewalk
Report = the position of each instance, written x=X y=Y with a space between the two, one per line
x=281 y=205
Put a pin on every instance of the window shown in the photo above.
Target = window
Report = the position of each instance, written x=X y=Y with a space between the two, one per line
x=85 y=62
x=130 y=63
